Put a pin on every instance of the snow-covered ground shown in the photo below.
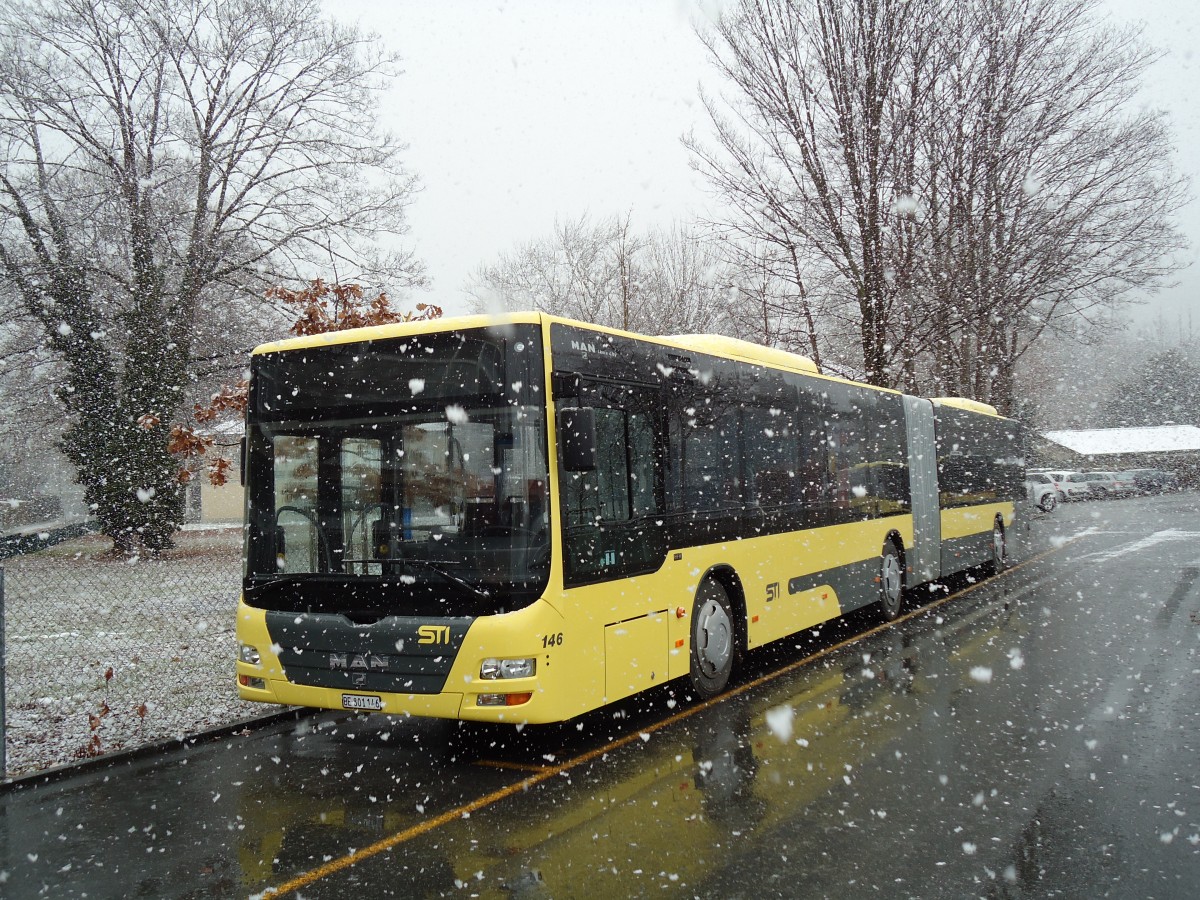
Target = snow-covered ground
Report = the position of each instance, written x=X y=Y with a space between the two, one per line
x=107 y=653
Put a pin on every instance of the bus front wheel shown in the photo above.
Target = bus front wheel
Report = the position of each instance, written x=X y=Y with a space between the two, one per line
x=712 y=639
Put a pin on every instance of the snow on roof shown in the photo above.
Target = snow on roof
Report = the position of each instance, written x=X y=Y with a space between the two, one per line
x=1104 y=441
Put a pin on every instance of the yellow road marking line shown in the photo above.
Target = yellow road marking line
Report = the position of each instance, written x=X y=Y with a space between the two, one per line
x=337 y=865
x=501 y=764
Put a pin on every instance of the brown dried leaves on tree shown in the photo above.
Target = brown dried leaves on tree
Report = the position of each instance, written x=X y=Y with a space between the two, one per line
x=326 y=307
x=321 y=308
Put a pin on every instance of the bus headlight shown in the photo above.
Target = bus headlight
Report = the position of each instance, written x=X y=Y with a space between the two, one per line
x=249 y=655
x=492 y=669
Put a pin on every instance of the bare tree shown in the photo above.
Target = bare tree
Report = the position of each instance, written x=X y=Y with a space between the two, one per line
x=780 y=300
x=685 y=284
x=157 y=156
x=1050 y=193
x=664 y=282
x=572 y=273
x=807 y=156
x=972 y=175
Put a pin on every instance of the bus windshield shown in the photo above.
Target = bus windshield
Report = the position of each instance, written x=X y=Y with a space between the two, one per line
x=400 y=476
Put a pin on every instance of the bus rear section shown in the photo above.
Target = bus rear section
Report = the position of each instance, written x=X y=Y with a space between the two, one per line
x=734 y=496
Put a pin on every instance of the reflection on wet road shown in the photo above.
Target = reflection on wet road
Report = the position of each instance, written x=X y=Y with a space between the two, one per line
x=1028 y=736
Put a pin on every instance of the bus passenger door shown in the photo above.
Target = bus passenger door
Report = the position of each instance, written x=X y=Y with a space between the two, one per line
x=612 y=513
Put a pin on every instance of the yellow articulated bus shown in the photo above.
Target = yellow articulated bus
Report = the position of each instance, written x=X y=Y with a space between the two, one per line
x=522 y=518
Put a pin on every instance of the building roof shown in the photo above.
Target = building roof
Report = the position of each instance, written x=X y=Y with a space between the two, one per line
x=1106 y=441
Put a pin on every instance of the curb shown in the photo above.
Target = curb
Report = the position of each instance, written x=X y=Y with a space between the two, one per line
x=117 y=757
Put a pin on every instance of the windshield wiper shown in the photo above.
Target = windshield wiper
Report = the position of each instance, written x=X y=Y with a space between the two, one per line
x=270 y=584
x=478 y=592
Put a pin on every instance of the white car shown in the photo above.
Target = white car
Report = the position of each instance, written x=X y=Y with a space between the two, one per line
x=1069 y=487
x=1041 y=491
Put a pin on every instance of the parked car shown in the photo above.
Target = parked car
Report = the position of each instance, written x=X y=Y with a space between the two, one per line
x=1040 y=491
x=1152 y=481
x=1082 y=483
x=1059 y=478
x=1075 y=485
x=1101 y=484
x=1122 y=483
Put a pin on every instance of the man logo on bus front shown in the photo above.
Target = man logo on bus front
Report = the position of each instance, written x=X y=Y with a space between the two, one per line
x=358 y=662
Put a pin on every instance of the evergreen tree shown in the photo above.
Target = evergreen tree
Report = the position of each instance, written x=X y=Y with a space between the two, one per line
x=1166 y=390
x=159 y=155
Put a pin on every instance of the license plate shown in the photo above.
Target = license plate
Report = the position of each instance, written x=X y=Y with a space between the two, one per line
x=357 y=701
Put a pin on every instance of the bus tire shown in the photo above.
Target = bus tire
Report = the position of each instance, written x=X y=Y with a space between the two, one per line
x=999 y=561
x=713 y=640
x=891 y=581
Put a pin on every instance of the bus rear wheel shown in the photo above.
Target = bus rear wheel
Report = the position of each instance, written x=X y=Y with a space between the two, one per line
x=712 y=639
x=891 y=582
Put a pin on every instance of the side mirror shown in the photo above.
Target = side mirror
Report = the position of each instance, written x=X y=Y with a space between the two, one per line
x=381 y=537
x=577 y=438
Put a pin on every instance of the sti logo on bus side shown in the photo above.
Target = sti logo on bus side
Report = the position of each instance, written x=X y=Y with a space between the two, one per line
x=433 y=634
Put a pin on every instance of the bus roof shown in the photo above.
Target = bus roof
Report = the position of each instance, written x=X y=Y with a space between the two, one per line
x=744 y=351
x=714 y=344
x=970 y=405
x=399 y=329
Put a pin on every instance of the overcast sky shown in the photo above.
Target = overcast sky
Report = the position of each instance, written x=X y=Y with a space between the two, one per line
x=518 y=111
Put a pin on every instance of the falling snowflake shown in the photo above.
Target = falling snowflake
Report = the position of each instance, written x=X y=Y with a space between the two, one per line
x=780 y=720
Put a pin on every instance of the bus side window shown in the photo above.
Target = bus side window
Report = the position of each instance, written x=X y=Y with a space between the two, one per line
x=601 y=494
x=612 y=465
x=642 y=455
x=706 y=458
x=889 y=455
x=848 y=462
x=609 y=511
x=772 y=478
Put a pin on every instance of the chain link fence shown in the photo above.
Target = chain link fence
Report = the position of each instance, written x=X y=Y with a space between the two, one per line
x=107 y=653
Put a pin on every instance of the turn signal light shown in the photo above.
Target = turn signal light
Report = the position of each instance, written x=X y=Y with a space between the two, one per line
x=504 y=699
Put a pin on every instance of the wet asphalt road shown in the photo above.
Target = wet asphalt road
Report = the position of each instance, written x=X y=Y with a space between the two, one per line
x=1029 y=735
